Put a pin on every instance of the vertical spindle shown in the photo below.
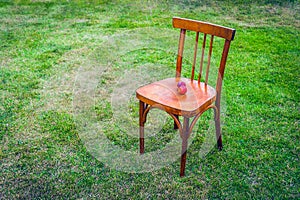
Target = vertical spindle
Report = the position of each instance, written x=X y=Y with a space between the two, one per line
x=195 y=56
x=209 y=56
x=202 y=58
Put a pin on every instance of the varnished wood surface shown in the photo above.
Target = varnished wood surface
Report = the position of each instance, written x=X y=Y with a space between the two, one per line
x=164 y=93
x=204 y=27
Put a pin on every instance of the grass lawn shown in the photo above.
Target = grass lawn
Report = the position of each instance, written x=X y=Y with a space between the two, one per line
x=65 y=65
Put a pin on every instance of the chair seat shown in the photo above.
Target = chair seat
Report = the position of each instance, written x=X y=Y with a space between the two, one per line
x=163 y=94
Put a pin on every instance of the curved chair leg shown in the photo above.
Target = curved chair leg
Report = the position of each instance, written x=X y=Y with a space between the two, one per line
x=142 y=122
x=218 y=128
x=185 y=135
x=175 y=125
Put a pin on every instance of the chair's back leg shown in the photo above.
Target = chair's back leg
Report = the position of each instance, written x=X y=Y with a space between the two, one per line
x=219 y=89
x=218 y=127
x=180 y=53
x=142 y=122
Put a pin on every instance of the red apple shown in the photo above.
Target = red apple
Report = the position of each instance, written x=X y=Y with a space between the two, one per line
x=181 y=88
x=181 y=83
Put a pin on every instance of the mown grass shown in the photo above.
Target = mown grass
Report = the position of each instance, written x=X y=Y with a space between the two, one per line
x=44 y=45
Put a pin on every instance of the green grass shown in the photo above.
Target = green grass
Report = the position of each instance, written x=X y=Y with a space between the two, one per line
x=46 y=47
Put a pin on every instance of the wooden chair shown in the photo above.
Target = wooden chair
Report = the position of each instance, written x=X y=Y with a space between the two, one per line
x=199 y=97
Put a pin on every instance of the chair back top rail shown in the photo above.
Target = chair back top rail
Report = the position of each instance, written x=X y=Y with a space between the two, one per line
x=204 y=27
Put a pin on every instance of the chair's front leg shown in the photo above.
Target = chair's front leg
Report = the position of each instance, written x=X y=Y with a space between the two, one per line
x=185 y=135
x=142 y=122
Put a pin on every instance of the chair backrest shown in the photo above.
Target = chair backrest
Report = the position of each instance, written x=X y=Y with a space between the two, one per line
x=207 y=29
